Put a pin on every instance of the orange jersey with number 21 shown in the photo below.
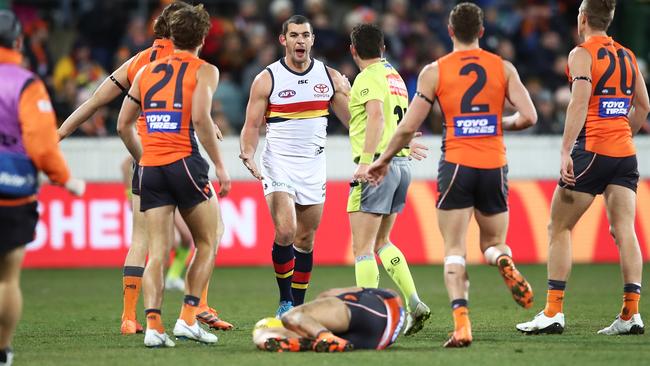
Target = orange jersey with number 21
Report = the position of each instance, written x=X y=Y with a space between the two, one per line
x=166 y=89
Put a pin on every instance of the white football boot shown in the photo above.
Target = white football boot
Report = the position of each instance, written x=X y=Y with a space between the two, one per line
x=10 y=358
x=175 y=284
x=193 y=332
x=415 y=319
x=154 y=339
x=542 y=324
x=623 y=327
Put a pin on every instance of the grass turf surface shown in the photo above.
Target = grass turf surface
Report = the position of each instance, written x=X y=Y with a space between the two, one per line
x=72 y=317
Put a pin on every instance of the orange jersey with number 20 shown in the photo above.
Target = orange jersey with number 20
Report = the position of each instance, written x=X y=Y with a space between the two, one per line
x=613 y=73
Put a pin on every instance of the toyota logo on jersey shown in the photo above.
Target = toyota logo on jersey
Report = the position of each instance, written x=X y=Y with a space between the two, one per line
x=321 y=88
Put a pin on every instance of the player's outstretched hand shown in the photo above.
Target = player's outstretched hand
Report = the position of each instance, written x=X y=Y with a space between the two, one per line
x=566 y=170
x=417 y=150
x=249 y=163
x=376 y=172
x=224 y=181
x=75 y=186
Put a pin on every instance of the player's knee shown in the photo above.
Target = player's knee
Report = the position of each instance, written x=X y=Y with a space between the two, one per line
x=155 y=259
x=291 y=319
x=285 y=234
x=555 y=229
x=206 y=247
x=623 y=234
x=221 y=228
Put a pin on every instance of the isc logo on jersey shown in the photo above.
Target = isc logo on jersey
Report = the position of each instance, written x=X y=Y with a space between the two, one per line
x=613 y=107
x=163 y=121
x=485 y=125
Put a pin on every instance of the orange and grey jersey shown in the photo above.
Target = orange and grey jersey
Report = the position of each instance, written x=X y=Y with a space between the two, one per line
x=613 y=73
x=296 y=116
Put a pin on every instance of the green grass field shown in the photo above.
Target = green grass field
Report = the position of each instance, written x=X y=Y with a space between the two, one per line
x=72 y=317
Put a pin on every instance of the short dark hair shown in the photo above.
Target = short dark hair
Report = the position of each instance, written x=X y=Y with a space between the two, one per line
x=161 y=24
x=296 y=19
x=368 y=40
x=599 y=13
x=466 y=19
x=189 y=26
x=10 y=28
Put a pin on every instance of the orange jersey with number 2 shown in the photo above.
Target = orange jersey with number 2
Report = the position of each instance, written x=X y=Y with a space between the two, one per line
x=471 y=92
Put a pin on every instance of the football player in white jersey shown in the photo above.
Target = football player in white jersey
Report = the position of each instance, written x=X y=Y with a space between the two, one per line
x=292 y=97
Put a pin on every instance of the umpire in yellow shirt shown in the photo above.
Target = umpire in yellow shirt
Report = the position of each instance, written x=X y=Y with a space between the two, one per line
x=378 y=101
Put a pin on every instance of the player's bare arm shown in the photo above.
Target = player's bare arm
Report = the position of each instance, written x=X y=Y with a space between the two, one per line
x=640 y=104
x=417 y=111
x=374 y=129
x=105 y=93
x=580 y=71
x=518 y=96
x=341 y=96
x=207 y=78
x=127 y=118
x=250 y=133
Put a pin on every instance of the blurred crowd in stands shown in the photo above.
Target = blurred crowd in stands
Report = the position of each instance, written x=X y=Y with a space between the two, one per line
x=74 y=44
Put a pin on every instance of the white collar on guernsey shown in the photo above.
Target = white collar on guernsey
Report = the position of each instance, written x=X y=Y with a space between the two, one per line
x=311 y=66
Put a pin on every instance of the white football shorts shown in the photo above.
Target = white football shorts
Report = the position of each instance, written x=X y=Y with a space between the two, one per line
x=302 y=177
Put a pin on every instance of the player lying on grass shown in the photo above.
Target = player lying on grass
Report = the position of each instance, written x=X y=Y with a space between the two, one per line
x=339 y=320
